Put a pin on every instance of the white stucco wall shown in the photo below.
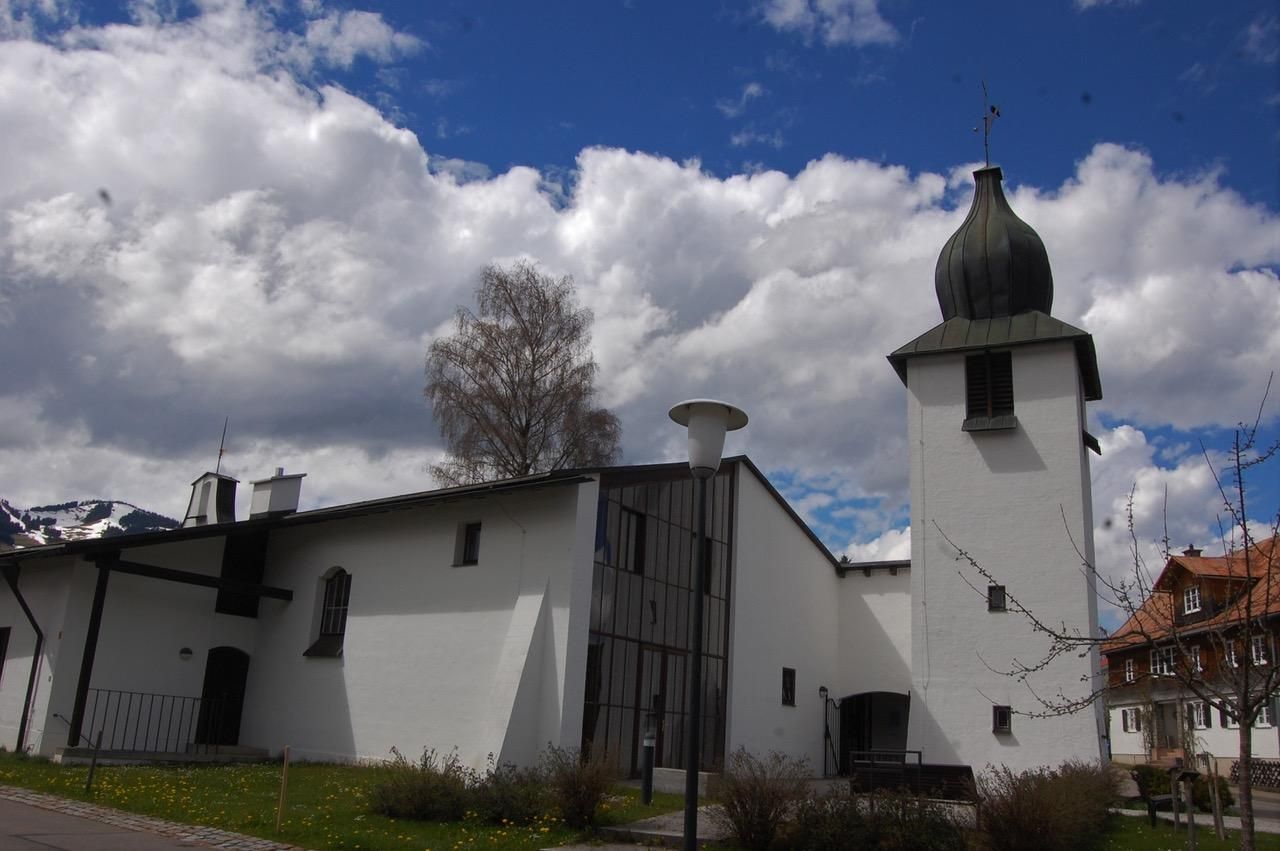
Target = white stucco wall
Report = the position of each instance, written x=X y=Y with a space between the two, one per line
x=785 y=613
x=875 y=633
x=45 y=586
x=474 y=657
x=1222 y=742
x=1002 y=496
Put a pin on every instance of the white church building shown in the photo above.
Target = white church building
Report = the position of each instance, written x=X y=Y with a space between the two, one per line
x=501 y=617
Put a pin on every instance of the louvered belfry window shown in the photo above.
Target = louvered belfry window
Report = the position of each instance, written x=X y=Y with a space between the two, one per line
x=989 y=391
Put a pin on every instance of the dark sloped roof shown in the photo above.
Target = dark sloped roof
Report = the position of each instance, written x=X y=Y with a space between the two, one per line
x=959 y=335
x=639 y=472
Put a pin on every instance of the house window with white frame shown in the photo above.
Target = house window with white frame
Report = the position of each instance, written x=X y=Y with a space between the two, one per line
x=1129 y=674
x=1228 y=719
x=1260 y=652
x=1193 y=654
x=1198 y=715
x=1162 y=662
x=1232 y=659
x=1266 y=716
x=1131 y=719
x=1191 y=599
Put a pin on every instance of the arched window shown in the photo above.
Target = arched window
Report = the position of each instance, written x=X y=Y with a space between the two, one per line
x=333 y=615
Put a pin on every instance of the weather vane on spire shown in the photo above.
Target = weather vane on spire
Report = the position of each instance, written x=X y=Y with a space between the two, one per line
x=990 y=112
x=222 y=446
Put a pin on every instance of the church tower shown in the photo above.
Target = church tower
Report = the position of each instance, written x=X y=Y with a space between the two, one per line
x=999 y=468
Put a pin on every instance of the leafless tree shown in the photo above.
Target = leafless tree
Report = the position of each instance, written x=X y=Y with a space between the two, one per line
x=1232 y=676
x=512 y=388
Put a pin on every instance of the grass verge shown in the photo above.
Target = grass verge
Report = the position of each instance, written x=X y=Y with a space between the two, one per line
x=327 y=807
x=1126 y=833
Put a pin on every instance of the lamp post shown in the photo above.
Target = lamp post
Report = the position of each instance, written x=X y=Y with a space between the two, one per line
x=707 y=421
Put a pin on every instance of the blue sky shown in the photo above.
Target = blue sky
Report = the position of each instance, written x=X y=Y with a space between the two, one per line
x=532 y=84
x=750 y=197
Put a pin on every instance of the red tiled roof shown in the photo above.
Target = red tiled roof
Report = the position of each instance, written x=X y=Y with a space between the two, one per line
x=1260 y=571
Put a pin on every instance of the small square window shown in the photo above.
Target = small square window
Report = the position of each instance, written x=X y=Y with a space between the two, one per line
x=995 y=598
x=1162 y=662
x=1001 y=719
x=1265 y=717
x=1191 y=599
x=788 y=686
x=466 y=548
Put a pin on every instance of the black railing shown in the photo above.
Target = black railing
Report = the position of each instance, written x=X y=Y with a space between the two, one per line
x=874 y=770
x=830 y=737
x=155 y=723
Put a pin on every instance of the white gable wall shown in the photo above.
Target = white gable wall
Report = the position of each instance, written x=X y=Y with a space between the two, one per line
x=45 y=586
x=434 y=654
x=1002 y=496
x=785 y=613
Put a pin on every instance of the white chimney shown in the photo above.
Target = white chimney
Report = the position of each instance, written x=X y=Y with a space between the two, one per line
x=213 y=500
x=276 y=495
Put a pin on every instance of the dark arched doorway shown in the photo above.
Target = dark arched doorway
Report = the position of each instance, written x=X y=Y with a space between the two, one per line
x=222 y=697
x=872 y=721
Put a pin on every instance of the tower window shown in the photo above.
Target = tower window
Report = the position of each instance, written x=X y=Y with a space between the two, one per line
x=1001 y=719
x=995 y=598
x=988 y=381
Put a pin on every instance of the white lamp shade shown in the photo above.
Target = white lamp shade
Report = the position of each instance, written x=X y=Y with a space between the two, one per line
x=707 y=421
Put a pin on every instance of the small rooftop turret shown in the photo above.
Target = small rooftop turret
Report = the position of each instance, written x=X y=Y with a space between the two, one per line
x=213 y=500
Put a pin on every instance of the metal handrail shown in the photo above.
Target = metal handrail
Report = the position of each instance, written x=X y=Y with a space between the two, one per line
x=151 y=722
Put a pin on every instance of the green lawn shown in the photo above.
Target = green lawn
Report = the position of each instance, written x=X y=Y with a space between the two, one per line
x=327 y=805
x=1137 y=834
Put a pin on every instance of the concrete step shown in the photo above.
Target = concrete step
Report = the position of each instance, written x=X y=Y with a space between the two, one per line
x=667 y=831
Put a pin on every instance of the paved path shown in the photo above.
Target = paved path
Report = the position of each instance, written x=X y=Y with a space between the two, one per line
x=31 y=820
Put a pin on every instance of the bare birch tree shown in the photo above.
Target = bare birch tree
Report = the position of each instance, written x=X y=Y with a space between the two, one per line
x=512 y=388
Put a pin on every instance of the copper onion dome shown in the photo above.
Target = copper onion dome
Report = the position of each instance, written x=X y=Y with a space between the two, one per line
x=995 y=264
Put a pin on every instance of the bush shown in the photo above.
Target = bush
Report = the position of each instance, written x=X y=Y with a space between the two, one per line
x=578 y=784
x=433 y=789
x=1154 y=780
x=897 y=821
x=507 y=793
x=1045 y=809
x=756 y=795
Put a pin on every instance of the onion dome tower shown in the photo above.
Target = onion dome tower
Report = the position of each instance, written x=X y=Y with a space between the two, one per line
x=996 y=399
x=995 y=264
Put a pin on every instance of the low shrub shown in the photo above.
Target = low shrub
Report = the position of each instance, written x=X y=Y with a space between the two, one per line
x=507 y=793
x=578 y=784
x=1154 y=780
x=755 y=795
x=897 y=821
x=432 y=789
x=1045 y=809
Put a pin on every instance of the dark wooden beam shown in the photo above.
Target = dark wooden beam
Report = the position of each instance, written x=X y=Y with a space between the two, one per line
x=90 y=649
x=186 y=577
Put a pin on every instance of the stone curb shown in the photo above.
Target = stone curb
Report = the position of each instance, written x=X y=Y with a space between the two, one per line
x=210 y=836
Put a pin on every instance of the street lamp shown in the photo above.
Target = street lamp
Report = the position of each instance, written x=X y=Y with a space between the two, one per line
x=707 y=421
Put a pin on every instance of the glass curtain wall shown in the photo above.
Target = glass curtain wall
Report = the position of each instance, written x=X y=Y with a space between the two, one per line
x=641 y=595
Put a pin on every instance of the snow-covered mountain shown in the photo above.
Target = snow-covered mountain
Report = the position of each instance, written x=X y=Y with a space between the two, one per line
x=74 y=521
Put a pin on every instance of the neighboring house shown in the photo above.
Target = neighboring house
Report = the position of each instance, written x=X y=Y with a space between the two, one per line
x=555 y=608
x=1191 y=629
